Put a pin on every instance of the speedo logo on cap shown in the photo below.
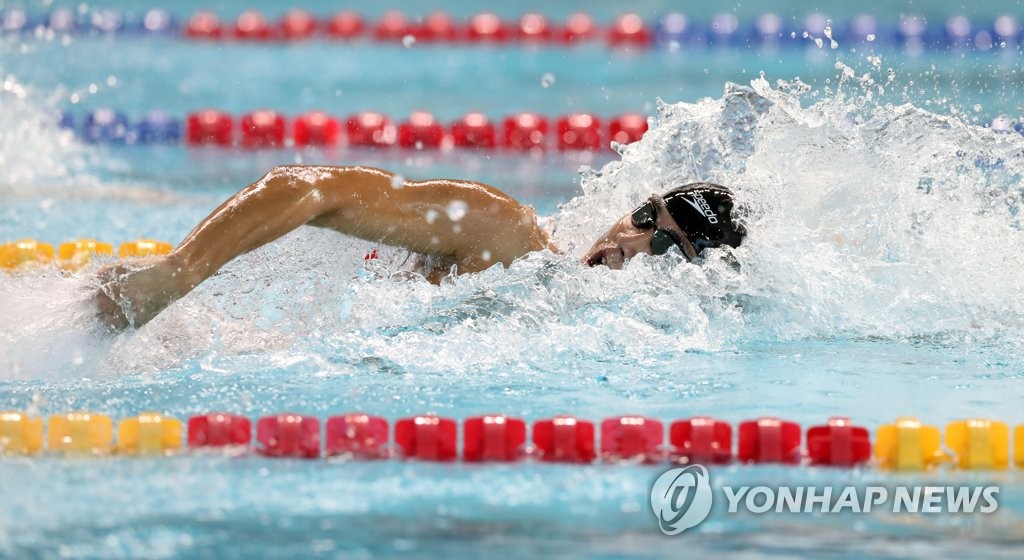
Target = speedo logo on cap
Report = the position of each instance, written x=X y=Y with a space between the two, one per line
x=702 y=206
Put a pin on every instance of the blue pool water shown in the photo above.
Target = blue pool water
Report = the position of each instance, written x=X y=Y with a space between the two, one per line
x=882 y=277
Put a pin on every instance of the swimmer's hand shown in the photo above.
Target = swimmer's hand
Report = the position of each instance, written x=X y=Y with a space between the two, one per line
x=133 y=292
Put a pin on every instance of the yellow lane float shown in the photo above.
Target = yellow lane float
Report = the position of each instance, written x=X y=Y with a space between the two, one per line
x=908 y=445
x=20 y=434
x=1018 y=445
x=149 y=433
x=979 y=443
x=144 y=248
x=26 y=253
x=81 y=432
x=76 y=255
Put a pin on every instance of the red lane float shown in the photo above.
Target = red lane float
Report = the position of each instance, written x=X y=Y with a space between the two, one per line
x=701 y=440
x=217 y=429
x=487 y=27
x=436 y=27
x=427 y=437
x=263 y=129
x=392 y=26
x=632 y=437
x=345 y=25
x=209 y=127
x=564 y=439
x=769 y=440
x=474 y=130
x=628 y=128
x=316 y=128
x=203 y=25
x=838 y=444
x=420 y=131
x=298 y=25
x=525 y=132
x=493 y=438
x=629 y=30
x=579 y=27
x=252 y=26
x=533 y=28
x=579 y=131
x=357 y=435
x=288 y=435
x=370 y=129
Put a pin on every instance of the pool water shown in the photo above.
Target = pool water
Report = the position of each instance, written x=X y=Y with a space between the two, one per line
x=881 y=278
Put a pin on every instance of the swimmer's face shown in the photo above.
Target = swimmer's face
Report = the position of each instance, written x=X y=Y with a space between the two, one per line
x=626 y=238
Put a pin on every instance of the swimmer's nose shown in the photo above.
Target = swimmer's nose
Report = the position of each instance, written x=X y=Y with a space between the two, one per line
x=633 y=243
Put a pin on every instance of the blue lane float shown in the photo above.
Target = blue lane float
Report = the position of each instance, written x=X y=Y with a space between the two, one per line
x=107 y=22
x=105 y=126
x=157 y=22
x=14 y=21
x=63 y=21
x=158 y=127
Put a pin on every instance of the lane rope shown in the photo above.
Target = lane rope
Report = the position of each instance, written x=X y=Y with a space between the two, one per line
x=673 y=31
x=904 y=445
x=269 y=129
x=262 y=129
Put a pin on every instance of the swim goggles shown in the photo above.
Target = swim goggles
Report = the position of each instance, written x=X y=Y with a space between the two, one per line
x=646 y=217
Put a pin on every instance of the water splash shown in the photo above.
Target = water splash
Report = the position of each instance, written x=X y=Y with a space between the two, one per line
x=865 y=220
x=33 y=148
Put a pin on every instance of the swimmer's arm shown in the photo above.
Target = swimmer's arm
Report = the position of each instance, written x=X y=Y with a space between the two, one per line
x=466 y=223
x=471 y=223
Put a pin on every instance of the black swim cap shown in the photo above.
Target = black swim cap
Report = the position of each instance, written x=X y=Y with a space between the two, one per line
x=704 y=213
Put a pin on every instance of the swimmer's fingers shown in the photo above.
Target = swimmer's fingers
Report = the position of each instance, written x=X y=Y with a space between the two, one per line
x=122 y=290
x=110 y=312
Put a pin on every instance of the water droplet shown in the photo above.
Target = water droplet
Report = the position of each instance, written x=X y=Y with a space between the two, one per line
x=486 y=255
x=871 y=37
x=408 y=41
x=431 y=216
x=547 y=79
x=977 y=107
x=457 y=210
x=397 y=182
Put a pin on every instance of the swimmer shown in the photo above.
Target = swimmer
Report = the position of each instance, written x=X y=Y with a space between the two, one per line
x=462 y=226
